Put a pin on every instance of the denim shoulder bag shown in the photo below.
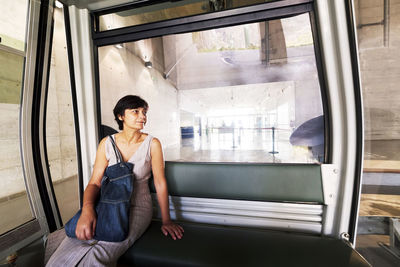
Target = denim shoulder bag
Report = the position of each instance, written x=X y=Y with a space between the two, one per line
x=113 y=206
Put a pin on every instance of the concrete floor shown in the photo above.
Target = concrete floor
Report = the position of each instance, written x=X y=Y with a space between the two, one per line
x=9 y=217
x=240 y=146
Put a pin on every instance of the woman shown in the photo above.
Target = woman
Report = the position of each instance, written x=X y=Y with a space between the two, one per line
x=145 y=152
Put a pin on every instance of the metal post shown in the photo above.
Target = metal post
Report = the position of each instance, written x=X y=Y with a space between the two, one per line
x=273 y=142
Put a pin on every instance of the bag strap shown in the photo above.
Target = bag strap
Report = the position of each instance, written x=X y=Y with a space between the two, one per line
x=116 y=150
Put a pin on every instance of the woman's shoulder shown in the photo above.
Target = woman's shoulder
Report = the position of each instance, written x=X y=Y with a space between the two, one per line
x=154 y=139
x=155 y=143
x=103 y=141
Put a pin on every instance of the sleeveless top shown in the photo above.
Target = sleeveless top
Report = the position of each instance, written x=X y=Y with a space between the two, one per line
x=141 y=159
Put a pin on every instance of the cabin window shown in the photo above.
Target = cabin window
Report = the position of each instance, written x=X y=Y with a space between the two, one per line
x=15 y=209
x=60 y=126
x=246 y=93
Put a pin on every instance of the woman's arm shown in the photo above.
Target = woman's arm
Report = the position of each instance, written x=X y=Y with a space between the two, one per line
x=87 y=222
x=157 y=163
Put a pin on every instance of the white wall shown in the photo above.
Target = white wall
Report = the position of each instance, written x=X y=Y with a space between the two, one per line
x=123 y=73
x=231 y=100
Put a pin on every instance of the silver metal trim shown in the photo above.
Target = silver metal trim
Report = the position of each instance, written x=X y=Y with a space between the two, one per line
x=333 y=32
x=82 y=50
x=330 y=187
x=362 y=125
x=25 y=116
x=270 y=215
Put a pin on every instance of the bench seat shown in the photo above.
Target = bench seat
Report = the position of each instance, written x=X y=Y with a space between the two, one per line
x=210 y=245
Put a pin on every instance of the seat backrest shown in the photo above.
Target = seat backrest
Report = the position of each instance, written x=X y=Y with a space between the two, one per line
x=245 y=181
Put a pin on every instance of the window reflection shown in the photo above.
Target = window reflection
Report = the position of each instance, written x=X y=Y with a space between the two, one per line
x=247 y=93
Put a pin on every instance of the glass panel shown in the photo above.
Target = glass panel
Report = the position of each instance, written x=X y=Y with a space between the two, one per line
x=13 y=24
x=168 y=10
x=247 y=93
x=60 y=127
x=14 y=204
x=378 y=33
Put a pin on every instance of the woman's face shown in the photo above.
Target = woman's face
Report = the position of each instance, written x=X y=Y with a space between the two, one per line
x=134 y=118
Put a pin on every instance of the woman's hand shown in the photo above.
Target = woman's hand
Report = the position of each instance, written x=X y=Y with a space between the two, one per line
x=174 y=230
x=86 y=224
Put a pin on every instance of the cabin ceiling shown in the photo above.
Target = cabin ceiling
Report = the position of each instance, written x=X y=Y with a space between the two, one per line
x=98 y=4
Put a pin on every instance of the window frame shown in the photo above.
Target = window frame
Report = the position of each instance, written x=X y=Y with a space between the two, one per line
x=238 y=16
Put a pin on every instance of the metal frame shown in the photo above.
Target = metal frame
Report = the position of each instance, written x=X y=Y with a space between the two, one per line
x=123 y=7
x=346 y=119
x=241 y=15
x=82 y=56
x=183 y=208
x=335 y=64
x=271 y=10
x=330 y=188
x=74 y=100
x=324 y=93
x=359 y=120
x=38 y=112
x=292 y=217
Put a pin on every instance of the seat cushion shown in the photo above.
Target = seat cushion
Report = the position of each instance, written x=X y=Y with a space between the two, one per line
x=209 y=245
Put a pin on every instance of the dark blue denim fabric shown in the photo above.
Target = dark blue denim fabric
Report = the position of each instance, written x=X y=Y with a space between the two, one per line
x=113 y=205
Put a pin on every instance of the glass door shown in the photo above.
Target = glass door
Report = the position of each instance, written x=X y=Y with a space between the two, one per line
x=25 y=203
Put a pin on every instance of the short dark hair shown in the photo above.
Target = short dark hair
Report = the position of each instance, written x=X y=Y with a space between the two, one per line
x=128 y=102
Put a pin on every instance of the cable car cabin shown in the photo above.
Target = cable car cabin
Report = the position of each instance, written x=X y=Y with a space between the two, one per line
x=257 y=105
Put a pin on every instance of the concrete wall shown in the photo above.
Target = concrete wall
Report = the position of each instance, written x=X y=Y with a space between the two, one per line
x=12 y=33
x=380 y=67
x=12 y=179
x=60 y=133
x=13 y=23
